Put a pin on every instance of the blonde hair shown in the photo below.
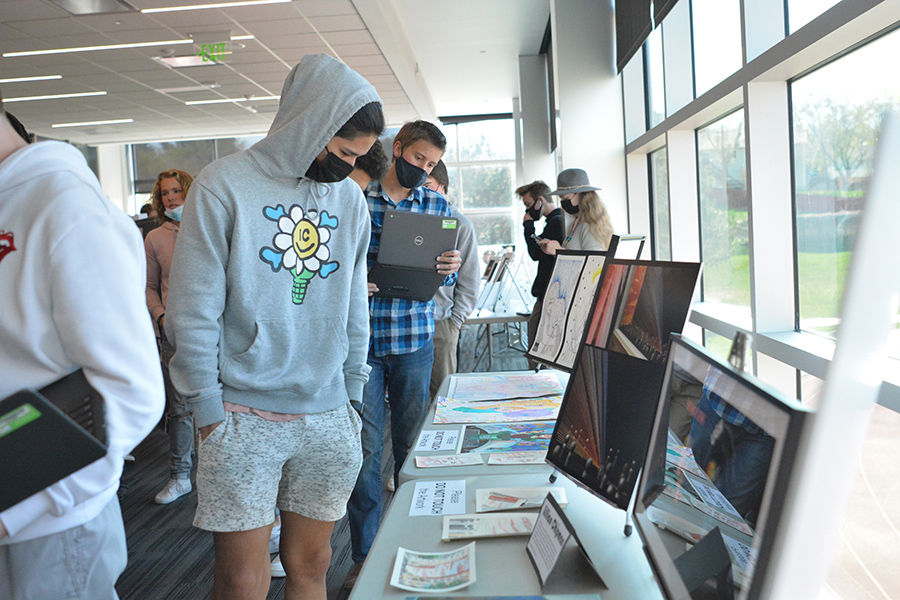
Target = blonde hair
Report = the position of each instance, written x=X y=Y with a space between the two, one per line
x=184 y=180
x=594 y=214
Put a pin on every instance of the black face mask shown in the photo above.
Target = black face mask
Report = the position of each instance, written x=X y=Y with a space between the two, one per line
x=409 y=176
x=535 y=211
x=330 y=170
x=569 y=207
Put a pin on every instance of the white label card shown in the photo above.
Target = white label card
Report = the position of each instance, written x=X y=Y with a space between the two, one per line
x=436 y=440
x=438 y=498
x=548 y=538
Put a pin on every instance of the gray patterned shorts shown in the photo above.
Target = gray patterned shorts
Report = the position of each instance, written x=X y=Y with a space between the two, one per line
x=248 y=465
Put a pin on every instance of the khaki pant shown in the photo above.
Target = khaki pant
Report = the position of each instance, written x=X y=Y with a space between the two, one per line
x=446 y=339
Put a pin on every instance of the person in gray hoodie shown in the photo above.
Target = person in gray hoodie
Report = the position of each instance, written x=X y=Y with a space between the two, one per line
x=268 y=314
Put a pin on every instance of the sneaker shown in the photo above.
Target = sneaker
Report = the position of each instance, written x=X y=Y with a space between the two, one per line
x=389 y=485
x=275 y=539
x=277 y=567
x=175 y=489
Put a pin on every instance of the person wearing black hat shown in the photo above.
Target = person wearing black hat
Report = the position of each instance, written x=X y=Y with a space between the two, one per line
x=589 y=226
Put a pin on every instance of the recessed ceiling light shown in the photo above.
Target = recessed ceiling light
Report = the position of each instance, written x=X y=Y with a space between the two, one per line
x=192 y=60
x=216 y=5
x=224 y=100
x=190 y=88
x=93 y=48
x=88 y=123
x=53 y=97
x=20 y=79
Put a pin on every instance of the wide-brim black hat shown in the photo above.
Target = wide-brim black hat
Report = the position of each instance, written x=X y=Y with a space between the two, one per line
x=572 y=181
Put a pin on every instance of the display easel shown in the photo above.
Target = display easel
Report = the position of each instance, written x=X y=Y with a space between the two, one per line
x=496 y=306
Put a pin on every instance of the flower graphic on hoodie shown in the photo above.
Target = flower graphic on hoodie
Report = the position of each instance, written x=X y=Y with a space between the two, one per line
x=301 y=246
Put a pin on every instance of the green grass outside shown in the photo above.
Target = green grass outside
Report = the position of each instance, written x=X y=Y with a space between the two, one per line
x=822 y=278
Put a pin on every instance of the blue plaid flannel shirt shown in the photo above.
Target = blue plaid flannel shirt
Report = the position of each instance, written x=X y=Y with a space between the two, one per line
x=400 y=326
x=718 y=386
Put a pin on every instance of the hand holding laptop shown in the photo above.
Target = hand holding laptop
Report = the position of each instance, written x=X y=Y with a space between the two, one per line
x=449 y=262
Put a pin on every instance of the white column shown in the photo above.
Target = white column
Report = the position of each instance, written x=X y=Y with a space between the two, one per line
x=112 y=160
x=589 y=98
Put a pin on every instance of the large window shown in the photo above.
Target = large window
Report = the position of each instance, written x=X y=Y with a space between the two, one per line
x=480 y=160
x=724 y=232
x=656 y=87
x=717 y=41
x=190 y=156
x=662 y=229
x=801 y=12
x=837 y=115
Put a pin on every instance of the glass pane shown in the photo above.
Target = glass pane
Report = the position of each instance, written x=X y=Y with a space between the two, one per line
x=718 y=345
x=837 y=114
x=723 y=211
x=493 y=229
x=452 y=194
x=450 y=154
x=633 y=91
x=487 y=186
x=226 y=146
x=659 y=190
x=717 y=41
x=487 y=140
x=152 y=159
x=801 y=12
x=656 y=92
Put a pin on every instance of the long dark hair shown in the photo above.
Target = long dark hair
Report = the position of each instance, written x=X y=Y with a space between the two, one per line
x=368 y=120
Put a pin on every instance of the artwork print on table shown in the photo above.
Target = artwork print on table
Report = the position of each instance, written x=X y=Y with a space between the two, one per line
x=499 y=386
x=505 y=411
x=513 y=437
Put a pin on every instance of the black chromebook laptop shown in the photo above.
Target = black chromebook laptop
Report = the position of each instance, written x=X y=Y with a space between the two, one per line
x=40 y=445
x=407 y=254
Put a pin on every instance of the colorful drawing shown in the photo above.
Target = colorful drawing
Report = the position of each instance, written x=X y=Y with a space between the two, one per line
x=434 y=571
x=557 y=299
x=301 y=246
x=579 y=311
x=515 y=437
x=504 y=411
x=501 y=386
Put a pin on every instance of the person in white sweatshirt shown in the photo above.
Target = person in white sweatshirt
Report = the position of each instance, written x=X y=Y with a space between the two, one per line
x=267 y=310
x=72 y=274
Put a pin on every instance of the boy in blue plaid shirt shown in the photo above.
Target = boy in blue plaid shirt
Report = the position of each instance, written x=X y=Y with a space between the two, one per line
x=401 y=349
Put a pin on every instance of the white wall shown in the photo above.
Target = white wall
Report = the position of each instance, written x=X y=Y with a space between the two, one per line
x=589 y=98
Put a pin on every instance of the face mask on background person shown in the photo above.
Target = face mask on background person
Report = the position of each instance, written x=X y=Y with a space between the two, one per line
x=569 y=207
x=409 y=175
x=175 y=213
x=535 y=211
x=330 y=170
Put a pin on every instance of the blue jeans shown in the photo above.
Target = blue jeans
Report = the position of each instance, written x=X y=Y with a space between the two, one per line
x=406 y=378
x=179 y=419
x=742 y=458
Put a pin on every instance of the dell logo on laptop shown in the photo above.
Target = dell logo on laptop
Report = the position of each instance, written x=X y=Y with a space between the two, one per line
x=419 y=240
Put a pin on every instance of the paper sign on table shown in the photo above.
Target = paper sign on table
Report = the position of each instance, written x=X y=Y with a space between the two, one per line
x=439 y=498
x=511 y=498
x=453 y=460
x=436 y=440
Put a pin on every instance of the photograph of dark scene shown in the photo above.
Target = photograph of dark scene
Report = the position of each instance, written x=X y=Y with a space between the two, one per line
x=604 y=423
